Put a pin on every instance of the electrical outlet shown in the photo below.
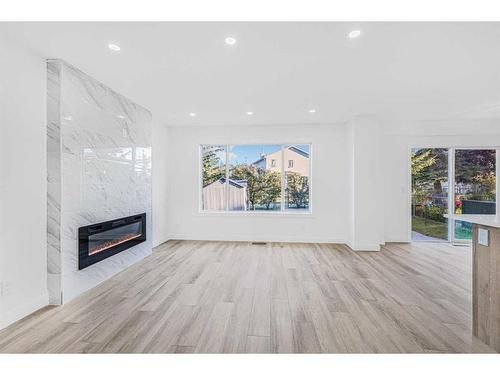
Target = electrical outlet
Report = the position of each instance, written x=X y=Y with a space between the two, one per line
x=4 y=288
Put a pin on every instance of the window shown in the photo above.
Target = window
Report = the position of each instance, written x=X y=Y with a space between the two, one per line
x=475 y=187
x=253 y=178
x=429 y=176
x=213 y=160
x=451 y=181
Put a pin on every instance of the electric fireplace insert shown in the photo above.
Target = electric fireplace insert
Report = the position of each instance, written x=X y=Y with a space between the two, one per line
x=102 y=240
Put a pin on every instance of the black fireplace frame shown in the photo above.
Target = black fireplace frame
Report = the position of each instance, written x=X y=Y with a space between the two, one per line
x=85 y=260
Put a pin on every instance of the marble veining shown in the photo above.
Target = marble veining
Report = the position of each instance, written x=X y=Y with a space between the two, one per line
x=99 y=168
x=54 y=182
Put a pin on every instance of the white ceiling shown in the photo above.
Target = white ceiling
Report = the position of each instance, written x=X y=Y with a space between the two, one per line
x=281 y=70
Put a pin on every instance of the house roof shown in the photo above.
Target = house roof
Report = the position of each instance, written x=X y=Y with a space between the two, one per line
x=299 y=151
x=293 y=148
x=236 y=183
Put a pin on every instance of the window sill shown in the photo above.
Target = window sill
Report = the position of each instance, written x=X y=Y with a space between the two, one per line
x=283 y=214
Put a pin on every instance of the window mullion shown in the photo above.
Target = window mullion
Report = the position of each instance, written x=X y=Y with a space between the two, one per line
x=497 y=181
x=227 y=178
x=451 y=194
x=282 y=201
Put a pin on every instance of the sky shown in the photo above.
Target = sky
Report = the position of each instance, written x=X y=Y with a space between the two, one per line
x=248 y=154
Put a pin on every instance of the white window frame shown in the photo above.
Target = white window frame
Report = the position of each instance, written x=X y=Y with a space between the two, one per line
x=282 y=211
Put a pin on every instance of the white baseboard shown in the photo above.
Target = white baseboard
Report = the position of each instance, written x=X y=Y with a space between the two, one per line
x=397 y=239
x=363 y=247
x=301 y=239
x=16 y=313
x=159 y=242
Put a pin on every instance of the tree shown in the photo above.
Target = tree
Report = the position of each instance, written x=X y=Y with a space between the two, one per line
x=297 y=190
x=421 y=161
x=473 y=163
x=263 y=187
x=213 y=168
x=431 y=165
x=271 y=187
x=484 y=187
x=427 y=166
x=426 y=173
x=428 y=170
x=474 y=170
x=249 y=174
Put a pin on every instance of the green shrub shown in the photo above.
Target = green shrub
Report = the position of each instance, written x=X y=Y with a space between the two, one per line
x=435 y=213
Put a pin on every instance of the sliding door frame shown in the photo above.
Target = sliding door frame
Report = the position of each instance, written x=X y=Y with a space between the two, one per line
x=451 y=186
x=451 y=197
x=451 y=194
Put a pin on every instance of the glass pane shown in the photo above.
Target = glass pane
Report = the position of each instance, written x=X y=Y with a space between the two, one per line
x=475 y=187
x=254 y=177
x=297 y=174
x=463 y=230
x=429 y=172
x=213 y=161
x=110 y=238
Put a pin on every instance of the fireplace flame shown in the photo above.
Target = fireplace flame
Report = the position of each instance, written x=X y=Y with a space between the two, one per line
x=113 y=243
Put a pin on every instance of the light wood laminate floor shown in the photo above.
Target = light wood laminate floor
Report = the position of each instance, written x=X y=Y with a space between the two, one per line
x=235 y=297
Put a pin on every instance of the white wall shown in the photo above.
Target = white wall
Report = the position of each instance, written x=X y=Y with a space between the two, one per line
x=23 y=265
x=160 y=180
x=367 y=218
x=399 y=138
x=330 y=208
x=344 y=180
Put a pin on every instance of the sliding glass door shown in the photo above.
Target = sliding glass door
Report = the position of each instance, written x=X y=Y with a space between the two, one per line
x=475 y=187
x=451 y=181
x=429 y=175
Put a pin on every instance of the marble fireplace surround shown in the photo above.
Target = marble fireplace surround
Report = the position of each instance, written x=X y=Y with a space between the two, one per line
x=99 y=147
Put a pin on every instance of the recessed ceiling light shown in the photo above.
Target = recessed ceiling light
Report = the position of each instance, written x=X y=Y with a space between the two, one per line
x=249 y=113
x=230 y=41
x=312 y=111
x=354 y=34
x=114 y=47
x=192 y=114
x=68 y=118
x=121 y=117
